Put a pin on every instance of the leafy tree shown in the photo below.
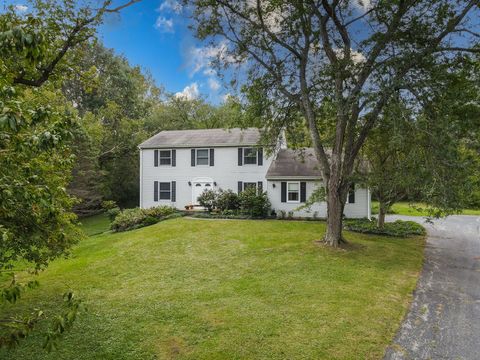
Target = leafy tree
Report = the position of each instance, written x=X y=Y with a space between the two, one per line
x=424 y=155
x=36 y=125
x=300 y=55
x=208 y=199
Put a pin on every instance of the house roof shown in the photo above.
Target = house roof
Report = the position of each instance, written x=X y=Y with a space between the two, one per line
x=291 y=163
x=203 y=137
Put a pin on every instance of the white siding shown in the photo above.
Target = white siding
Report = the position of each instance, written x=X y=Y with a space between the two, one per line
x=226 y=173
x=360 y=209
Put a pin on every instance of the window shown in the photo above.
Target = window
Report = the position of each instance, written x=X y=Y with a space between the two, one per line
x=165 y=193
x=165 y=157
x=202 y=157
x=293 y=192
x=247 y=185
x=250 y=156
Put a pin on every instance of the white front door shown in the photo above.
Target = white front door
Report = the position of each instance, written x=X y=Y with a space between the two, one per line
x=198 y=187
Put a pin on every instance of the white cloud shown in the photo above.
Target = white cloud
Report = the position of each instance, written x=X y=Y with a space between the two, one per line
x=21 y=8
x=202 y=57
x=171 y=5
x=226 y=97
x=365 y=4
x=190 y=92
x=357 y=57
x=209 y=72
x=213 y=84
x=164 y=25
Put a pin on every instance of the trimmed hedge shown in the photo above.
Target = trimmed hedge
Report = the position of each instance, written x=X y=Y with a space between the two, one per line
x=398 y=228
x=135 y=218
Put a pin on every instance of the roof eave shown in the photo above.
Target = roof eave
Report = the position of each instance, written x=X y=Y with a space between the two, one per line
x=188 y=146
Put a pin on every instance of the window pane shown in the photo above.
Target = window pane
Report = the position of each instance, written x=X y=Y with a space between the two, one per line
x=164 y=186
x=202 y=153
x=165 y=195
x=292 y=186
x=202 y=161
x=165 y=157
x=250 y=156
x=247 y=185
x=202 y=157
x=293 y=196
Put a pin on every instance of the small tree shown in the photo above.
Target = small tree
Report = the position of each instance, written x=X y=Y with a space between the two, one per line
x=227 y=200
x=208 y=199
x=253 y=203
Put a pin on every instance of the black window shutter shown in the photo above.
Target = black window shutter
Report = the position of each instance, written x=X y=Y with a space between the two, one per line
x=284 y=191
x=173 y=197
x=193 y=157
x=260 y=187
x=155 y=191
x=303 y=191
x=351 y=194
x=155 y=155
x=212 y=157
x=174 y=157
x=240 y=185
x=240 y=156
x=260 y=156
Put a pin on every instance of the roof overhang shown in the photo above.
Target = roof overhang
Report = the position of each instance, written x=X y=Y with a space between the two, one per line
x=309 y=178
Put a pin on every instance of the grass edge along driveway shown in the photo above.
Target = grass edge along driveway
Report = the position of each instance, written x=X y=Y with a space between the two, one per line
x=192 y=289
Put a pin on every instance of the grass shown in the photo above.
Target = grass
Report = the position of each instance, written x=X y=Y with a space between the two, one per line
x=415 y=209
x=228 y=289
x=94 y=225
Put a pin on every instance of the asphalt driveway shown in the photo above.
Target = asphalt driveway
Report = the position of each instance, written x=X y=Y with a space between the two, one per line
x=444 y=320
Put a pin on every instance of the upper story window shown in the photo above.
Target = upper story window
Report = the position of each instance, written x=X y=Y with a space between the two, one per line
x=250 y=156
x=203 y=157
x=165 y=157
x=293 y=192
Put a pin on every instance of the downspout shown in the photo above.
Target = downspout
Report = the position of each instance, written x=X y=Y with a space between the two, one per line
x=369 y=205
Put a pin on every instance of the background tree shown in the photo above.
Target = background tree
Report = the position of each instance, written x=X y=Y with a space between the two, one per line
x=36 y=125
x=297 y=55
x=427 y=155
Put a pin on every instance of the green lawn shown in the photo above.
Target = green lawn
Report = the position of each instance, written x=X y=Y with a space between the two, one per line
x=229 y=289
x=416 y=209
x=94 y=225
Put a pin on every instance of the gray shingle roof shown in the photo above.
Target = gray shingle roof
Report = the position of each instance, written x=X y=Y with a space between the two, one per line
x=203 y=137
x=295 y=164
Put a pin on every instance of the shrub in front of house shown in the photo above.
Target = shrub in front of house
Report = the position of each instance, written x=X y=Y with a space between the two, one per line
x=111 y=208
x=208 y=199
x=227 y=200
x=253 y=203
x=135 y=218
x=397 y=228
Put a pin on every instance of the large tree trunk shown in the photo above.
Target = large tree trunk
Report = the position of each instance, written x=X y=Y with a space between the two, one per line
x=382 y=210
x=335 y=206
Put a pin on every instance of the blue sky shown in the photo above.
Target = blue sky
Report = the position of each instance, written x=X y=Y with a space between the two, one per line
x=153 y=35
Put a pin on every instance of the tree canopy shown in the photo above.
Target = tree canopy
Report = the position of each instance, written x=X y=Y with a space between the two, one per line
x=299 y=55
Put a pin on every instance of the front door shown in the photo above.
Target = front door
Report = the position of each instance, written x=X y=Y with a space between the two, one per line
x=197 y=190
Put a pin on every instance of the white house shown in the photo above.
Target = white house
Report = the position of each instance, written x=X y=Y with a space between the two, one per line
x=177 y=166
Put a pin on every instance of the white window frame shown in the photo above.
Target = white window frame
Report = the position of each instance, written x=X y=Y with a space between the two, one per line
x=160 y=191
x=208 y=157
x=298 y=192
x=256 y=155
x=160 y=157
